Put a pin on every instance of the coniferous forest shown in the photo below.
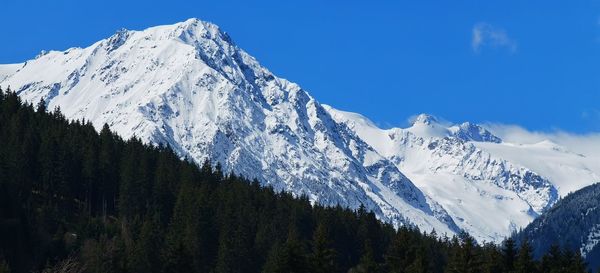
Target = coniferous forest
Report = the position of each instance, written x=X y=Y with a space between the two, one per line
x=75 y=200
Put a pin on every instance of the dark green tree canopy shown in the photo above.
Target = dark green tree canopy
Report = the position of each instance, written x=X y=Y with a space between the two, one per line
x=73 y=198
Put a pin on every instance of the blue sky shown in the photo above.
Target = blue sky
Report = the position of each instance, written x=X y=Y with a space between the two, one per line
x=531 y=63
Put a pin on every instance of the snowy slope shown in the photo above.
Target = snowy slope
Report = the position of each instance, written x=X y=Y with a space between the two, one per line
x=463 y=169
x=569 y=171
x=8 y=69
x=190 y=86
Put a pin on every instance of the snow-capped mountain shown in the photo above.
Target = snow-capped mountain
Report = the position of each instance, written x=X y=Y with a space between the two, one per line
x=188 y=85
x=488 y=186
x=467 y=181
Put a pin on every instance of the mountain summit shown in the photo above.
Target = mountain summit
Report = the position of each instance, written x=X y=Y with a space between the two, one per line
x=189 y=86
x=424 y=119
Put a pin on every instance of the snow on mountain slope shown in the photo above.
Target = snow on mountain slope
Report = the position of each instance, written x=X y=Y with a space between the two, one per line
x=8 y=69
x=190 y=86
x=568 y=171
x=444 y=162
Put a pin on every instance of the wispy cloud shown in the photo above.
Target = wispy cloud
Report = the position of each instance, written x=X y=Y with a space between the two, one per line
x=587 y=144
x=484 y=34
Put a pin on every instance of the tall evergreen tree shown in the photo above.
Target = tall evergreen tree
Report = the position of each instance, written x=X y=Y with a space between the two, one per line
x=367 y=262
x=492 y=259
x=398 y=256
x=420 y=264
x=524 y=262
x=464 y=257
x=287 y=257
x=509 y=252
x=552 y=261
x=577 y=265
x=323 y=257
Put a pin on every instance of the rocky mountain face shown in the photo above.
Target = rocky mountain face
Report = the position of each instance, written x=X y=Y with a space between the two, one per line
x=189 y=86
x=486 y=195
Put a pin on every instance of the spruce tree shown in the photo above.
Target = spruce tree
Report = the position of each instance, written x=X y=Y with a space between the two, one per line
x=492 y=259
x=323 y=257
x=552 y=260
x=509 y=252
x=397 y=256
x=287 y=257
x=578 y=264
x=367 y=262
x=464 y=257
x=524 y=261
x=420 y=264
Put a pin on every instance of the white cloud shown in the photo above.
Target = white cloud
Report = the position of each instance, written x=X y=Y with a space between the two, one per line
x=586 y=144
x=485 y=34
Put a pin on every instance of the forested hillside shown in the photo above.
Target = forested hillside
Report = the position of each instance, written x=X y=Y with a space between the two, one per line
x=573 y=223
x=74 y=200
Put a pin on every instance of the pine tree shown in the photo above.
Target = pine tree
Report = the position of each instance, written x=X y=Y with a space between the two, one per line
x=367 y=263
x=492 y=259
x=509 y=252
x=108 y=170
x=163 y=191
x=552 y=260
x=276 y=259
x=578 y=264
x=464 y=257
x=295 y=253
x=287 y=257
x=420 y=264
x=524 y=262
x=41 y=106
x=398 y=256
x=323 y=258
x=145 y=257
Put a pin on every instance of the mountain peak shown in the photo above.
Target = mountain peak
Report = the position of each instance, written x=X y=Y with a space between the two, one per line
x=424 y=119
x=197 y=23
x=187 y=85
x=194 y=20
x=118 y=39
x=191 y=31
x=472 y=132
x=195 y=28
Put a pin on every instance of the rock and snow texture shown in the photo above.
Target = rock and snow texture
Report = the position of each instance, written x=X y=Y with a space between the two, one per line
x=485 y=195
x=590 y=241
x=188 y=85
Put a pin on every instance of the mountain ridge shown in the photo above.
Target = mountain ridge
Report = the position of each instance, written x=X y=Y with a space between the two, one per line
x=188 y=85
x=572 y=223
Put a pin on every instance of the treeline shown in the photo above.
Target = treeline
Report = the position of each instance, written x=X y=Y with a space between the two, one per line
x=75 y=200
x=568 y=223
